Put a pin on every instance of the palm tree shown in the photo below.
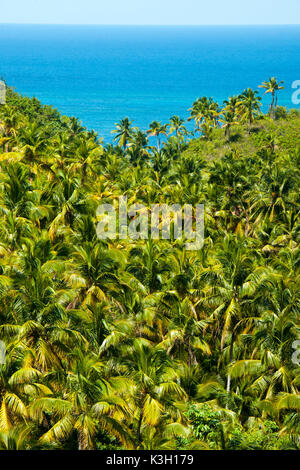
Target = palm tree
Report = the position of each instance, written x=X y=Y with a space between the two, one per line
x=156 y=129
x=185 y=330
x=123 y=132
x=9 y=121
x=88 y=401
x=177 y=126
x=74 y=126
x=85 y=154
x=155 y=383
x=138 y=146
x=142 y=343
x=205 y=112
x=228 y=120
x=272 y=86
x=230 y=285
x=250 y=106
x=17 y=439
x=32 y=141
x=232 y=105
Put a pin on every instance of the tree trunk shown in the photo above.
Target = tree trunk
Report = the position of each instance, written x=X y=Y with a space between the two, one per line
x=230 y=361
x=272 y=104
x=223 y=445
x=247 y=228
x=80 y=440
x=178 y=143
x=83 y=174
x=139 y=436
x=250 y=122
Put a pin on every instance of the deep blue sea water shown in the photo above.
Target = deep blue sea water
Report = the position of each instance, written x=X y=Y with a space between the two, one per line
x=101 y=74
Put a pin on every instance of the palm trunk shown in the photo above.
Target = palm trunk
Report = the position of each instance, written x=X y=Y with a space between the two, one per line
x=272 y=104
x=230 y=361
x=227 y=133
x=223 y=445
x=80 y=440
x=191 y=356
x=247 y=228
x=178 y=143
x=83 y=174
x=139 y=436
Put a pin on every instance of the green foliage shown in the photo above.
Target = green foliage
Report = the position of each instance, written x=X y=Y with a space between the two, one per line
x=281 y=112
x=140 y=344
x=206 y=423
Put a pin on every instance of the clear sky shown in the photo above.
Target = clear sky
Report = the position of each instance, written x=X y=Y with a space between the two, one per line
x=156 y=12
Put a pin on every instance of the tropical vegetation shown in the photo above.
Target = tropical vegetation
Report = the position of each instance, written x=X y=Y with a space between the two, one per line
x=141 y=344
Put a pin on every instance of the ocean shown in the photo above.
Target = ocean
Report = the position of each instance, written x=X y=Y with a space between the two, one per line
x=101 y=74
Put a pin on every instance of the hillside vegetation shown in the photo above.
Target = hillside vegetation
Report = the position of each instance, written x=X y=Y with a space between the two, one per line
x=141 y=344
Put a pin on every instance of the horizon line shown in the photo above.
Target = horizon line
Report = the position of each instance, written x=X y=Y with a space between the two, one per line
x=152 y=25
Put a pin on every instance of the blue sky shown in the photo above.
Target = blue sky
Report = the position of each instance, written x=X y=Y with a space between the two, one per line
x=163 y=12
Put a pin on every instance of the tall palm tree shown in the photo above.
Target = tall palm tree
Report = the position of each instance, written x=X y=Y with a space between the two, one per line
x=138 y=146
x=232 y=105
x=177 y=126
x=205 y=112
x=230 y=285
x=155 y=382
x=86 y=152
x=32 y=141
x=157 y=129
x=250 y=106
x=123 y=132
x=228 y=120
x=88 y=401
x=272 y=86
x=9 y=121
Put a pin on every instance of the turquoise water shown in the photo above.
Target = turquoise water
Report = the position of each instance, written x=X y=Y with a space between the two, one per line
x=101 y=74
